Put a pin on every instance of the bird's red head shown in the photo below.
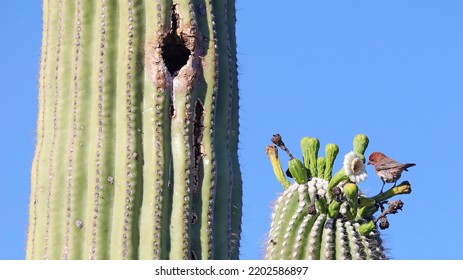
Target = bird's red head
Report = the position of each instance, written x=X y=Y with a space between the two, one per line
x=375 y=157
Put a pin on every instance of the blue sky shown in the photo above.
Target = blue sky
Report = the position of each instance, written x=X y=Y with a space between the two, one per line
x=392 y=70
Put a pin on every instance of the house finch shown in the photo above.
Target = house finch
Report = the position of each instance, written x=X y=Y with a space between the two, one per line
x=387 y=169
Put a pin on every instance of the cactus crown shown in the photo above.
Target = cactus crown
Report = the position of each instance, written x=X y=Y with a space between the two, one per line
x=325 y=216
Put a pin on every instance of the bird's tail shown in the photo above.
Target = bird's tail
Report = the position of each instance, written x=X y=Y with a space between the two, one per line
x=407 y=165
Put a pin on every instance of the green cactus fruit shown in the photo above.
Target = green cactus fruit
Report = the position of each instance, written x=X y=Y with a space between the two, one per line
x=298 y=171
x=367 y=207
x=310 y=147
x=339 y=177
x=136 y=154
x=321 y=165
x=360 y=145
x=328 y=217
x=333 y=208
x=366 y=228
x=331 y=151
x=351 y=191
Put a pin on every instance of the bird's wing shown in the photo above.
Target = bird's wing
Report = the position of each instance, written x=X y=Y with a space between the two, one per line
x=388 y=165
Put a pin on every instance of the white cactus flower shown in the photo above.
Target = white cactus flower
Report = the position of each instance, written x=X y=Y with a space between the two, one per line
x=354 y=168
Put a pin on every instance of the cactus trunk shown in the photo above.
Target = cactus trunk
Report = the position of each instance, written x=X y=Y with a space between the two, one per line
x=137 y=132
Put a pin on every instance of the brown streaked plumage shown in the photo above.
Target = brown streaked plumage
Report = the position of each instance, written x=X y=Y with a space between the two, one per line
x=387 y=169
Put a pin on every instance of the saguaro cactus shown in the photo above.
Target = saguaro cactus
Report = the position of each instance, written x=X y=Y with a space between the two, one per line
x=321 y=216
x=136 y=154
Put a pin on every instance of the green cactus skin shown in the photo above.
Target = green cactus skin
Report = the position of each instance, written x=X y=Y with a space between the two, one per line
x=298 y=235
x=328 y=217
x=136 y=154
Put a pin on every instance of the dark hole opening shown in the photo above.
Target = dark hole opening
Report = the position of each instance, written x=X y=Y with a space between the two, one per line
x=194 y=217
x=198 y=127
x=193 y=255
x=174 y=52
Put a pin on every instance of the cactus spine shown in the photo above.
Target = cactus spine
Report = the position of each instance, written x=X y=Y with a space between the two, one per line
x=327 y=217
x=136 y=154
